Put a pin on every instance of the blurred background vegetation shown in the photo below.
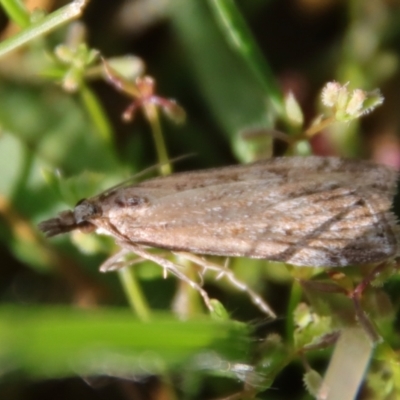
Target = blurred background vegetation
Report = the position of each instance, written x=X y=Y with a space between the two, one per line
x=68 y=331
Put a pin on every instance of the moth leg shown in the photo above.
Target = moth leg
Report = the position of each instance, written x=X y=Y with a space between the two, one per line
x=364 y=320
x=168 y=266
x=229 y=274
x=114 y=262
x=356 y=294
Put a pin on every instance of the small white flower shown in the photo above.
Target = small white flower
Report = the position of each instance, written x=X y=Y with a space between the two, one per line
x=347 y=106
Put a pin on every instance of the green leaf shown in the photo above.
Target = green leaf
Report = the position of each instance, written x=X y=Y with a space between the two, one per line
x=57 y=342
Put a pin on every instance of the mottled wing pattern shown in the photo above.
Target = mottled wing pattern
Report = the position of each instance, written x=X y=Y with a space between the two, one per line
x=315 y=211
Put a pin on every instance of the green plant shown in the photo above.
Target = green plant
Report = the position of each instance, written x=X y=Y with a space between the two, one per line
x=59 y=144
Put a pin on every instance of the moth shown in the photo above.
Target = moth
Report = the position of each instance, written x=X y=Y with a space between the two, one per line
x=305 y=211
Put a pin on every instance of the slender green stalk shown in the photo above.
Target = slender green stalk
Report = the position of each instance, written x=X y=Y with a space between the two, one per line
x=16 y=11
x=127 y=277
x=310 y=132
x=134 y=293
x=162 y=154
x=44 y=26
x=295 y=296
x=97 y=114
x=240 y=37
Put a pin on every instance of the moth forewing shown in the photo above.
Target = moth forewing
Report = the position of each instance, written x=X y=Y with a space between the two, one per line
x=312 y=211
x=313 y=218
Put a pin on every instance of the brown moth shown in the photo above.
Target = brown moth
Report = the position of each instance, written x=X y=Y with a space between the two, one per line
x=306 y=211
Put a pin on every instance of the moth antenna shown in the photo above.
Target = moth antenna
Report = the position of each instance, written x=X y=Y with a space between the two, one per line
x=142 y=173
x=224 y=271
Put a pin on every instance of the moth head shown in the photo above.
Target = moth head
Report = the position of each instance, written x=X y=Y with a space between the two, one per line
x=78 y=218
x=85 y=211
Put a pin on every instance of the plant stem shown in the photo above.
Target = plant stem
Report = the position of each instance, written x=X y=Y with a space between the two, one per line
x=16 y=11
x=162 y=154
x=295 y=296
x=97 y=114
x=134 y=293
x=310 y=132
x=44 y=26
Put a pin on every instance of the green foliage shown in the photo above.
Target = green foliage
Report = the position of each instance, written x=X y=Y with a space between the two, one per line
x=113 y=341
x=249 y=87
